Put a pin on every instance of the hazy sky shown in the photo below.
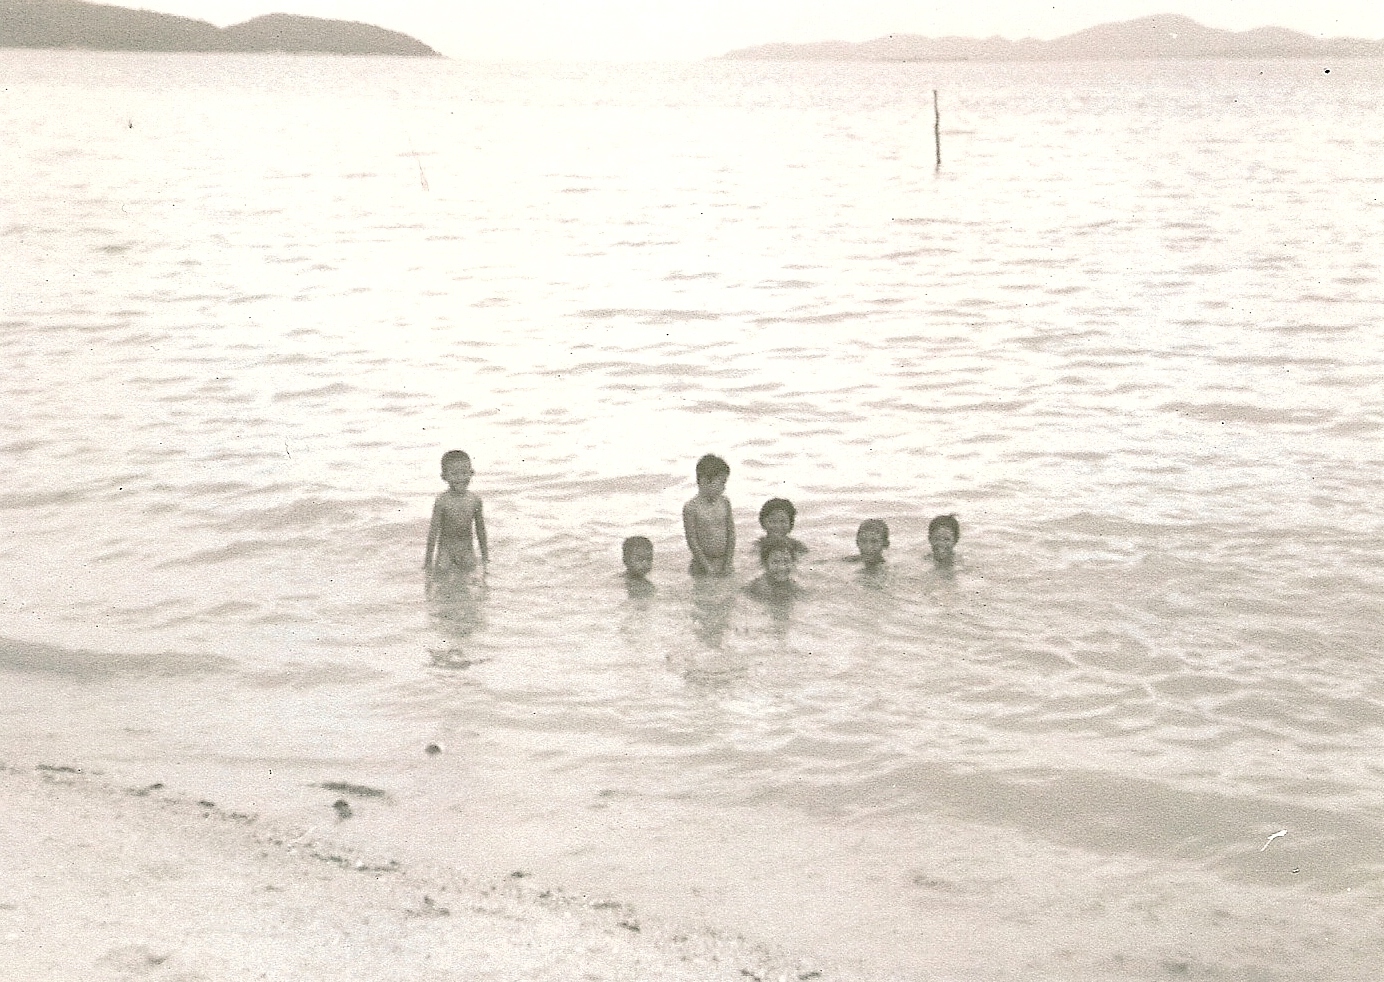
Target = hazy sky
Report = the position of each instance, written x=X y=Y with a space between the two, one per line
x=662 y=29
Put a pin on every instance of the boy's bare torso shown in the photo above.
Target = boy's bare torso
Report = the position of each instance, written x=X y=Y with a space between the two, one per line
x=455 y=515
x=709 y=525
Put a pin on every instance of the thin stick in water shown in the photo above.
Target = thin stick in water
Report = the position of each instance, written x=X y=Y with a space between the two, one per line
x=937 y=128
x=422 y=178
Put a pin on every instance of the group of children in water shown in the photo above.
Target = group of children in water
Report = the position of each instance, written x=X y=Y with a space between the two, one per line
x=458 y=527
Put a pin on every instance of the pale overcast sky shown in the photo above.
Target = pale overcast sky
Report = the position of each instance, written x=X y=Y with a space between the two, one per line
x=681 y=29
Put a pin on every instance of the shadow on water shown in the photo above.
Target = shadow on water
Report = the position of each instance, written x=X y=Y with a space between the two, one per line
x=46 y=659
x=1234 y=834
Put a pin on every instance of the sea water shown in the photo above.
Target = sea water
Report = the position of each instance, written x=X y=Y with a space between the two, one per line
x=1126 y=333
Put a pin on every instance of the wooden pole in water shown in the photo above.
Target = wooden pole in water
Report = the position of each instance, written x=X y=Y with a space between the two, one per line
x=937 y=128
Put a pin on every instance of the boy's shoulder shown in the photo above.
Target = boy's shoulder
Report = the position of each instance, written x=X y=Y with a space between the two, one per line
x=761 y=589
x=465 y=499
x=697 y=501
x=794 y=546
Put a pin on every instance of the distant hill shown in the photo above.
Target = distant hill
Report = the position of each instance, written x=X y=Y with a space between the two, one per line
x=73 y=24
x=1159 y=36
x=287 y=32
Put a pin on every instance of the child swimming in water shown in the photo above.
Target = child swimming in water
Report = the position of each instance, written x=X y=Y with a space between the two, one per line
x=638 y=555
x=707 y=520
x=872 y=538
x=943 y=533
x=776 y=517
x=775 y=584
x=456 y=517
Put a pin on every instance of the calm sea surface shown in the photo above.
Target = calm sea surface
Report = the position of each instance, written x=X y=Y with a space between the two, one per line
x=1128 y=334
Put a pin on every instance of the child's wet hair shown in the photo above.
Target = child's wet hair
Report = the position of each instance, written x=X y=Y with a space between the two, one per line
x=779 y=504
x=633 y=543
x=874 y=525
x=768 y=547
x=945 y=521
x=711 y=467
x=455 y=457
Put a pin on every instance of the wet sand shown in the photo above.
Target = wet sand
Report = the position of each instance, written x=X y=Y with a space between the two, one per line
x=108 y=882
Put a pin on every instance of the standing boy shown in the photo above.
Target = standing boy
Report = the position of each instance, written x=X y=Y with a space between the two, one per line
x=456 y=514
x=707 y=521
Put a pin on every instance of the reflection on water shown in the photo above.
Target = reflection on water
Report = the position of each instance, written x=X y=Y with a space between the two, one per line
x=713 y=601
x=456 y=611
x=874 y=576
x=777 y=600
x=639 y=588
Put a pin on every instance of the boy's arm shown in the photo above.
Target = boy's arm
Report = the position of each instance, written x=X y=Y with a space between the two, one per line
x=689 y=529
x=480 y=533
x=434 y=528
x=728 y=561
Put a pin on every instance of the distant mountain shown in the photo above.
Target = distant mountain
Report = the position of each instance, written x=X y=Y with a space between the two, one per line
x=1159 y=36
x=287 y=32
x=73 y=24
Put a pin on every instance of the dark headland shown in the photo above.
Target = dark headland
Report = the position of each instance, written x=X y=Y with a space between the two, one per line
x=99 y=27
x=1156 y=37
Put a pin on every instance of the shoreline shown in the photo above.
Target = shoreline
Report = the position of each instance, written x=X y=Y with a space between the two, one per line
x=105 y=881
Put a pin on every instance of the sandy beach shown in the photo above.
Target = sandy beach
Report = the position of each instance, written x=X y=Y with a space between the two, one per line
x=107 y=882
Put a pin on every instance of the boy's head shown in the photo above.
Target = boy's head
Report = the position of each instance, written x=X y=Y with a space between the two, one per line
x=776 y=556
x=777 y=516
x=943 y=533
x=638 y=553
x=456 y=468
x=712 y=474
x=872 y=538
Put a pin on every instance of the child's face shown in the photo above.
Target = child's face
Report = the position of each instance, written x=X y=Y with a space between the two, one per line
x=870 y=542
x=943 y=541
x=778 y=566
x=777 y=523
x=457 y=474
x=712 y=487
x=639 y=562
